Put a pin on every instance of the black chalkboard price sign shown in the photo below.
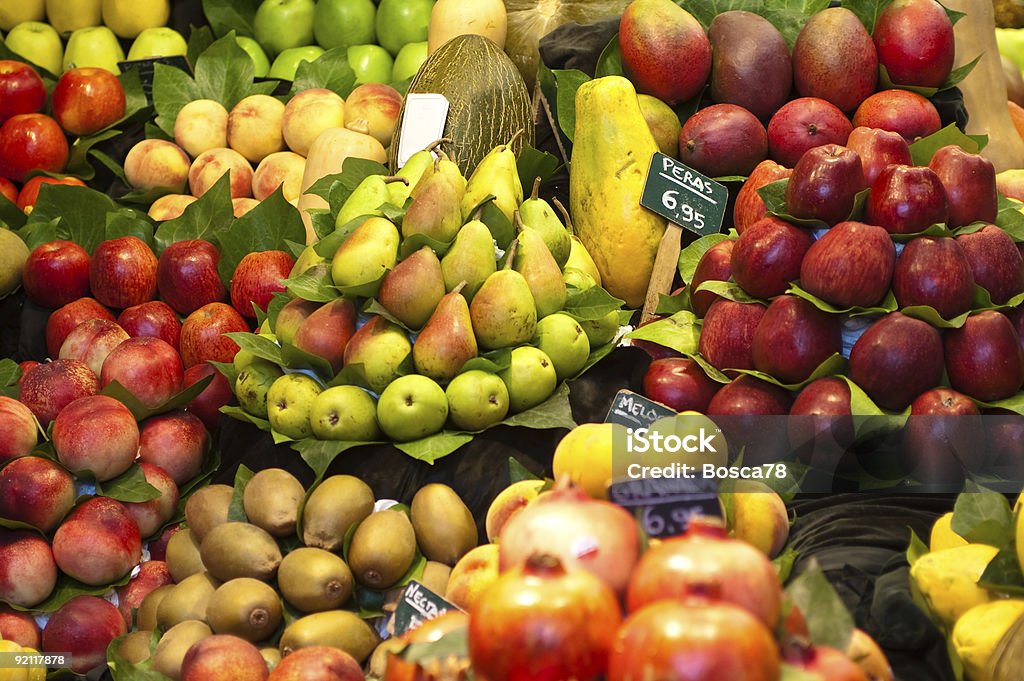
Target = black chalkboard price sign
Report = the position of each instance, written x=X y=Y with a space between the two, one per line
x=688 y=198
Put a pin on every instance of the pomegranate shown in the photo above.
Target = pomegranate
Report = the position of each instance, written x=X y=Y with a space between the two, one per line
x=694 y=640
x=428 y=632
x=545 y=622
x=705 y=563
x=595 y=535
x=823 y=662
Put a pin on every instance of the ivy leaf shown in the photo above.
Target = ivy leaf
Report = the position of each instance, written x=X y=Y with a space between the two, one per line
x=591 y=303
x=78 y=160
x=10 y=214
x=982 y=516
x=267 y=227
x=789 y=16
x=434 y=447
x=37 y=233
x=225 y=16
x=202 y=219
x=867 y=11
x=680 y=332
x=80 y=209
x=669 y=305
x=128 y=222
x=691 y=255
x=828 y=620
x=330 y=70
x=315 y=284
x=923 y=149
x=129 y=487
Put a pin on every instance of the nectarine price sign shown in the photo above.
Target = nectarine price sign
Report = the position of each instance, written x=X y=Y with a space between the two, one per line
x=417 y=605
x=688 y=198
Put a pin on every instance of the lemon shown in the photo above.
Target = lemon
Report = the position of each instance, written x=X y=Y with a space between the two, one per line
x=978 y=631
x=943 y=536
x=585 y=455
x=948 y=579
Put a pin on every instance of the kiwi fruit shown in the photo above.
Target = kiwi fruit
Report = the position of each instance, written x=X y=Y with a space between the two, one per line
x=332 y=508
x=234 y=550
x=244 y=607
x=271 y=500
x=444 y=525
x=207 y=508
x=186 y=601
x=182 y=555
x=173 y=645
x=312 y=580
x=335 y=628
x=272 y=656
x=435 y=576
x=145 y=616
x=383 y=548
x=135 y=646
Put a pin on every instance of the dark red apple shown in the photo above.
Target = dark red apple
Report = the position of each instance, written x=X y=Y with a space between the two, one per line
x=51 y=386
x=37 y=491
x=186 y=275
x=995 y=262
x=123 y=272
x=21 y=89
x=934 y=271
x=907 y=113
x=878 y=148
x=825 y=183
x=176 y=442
x=98 y=543
x=746 y=395
x=984 y=357
x=148 y=368
x=723 y=139
x=794 y=338
x=714 y=265
x=970 y=184
x=767 y=256
x=821 y=425
x=914 y=41
x=803 y=124
x=56 y=273
x=155 y=319
x=749 y=207
x=727 y=337
x=679 y=383
x=202 y=334
x=87 y=99
x=906 y=200
x=31 y=142
x=91 y=342
x=850 y=265
x=29 y=193
x=896 y=359
x=1005 y=438
x=256 y=279
x=206 y=405
x=739 y=408
x=63 y=320
x=943 y=438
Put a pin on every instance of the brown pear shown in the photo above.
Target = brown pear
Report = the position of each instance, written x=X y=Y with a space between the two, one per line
x=534 y=261
x=413 y=289
x=435 y=210
x=447 y=341
x=291 y=316
x=325 y=333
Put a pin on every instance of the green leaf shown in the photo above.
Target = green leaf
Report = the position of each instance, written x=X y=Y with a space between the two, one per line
x=128 y=222
x=916 y=549
x=78 y=160
x=774 y=196
x=318 y=454
x=258 y=345
x=293 y=358
x=202 y=219
x=172 y=90
x=691 y=255
x=729 y=290
x=231 y=15
x=705 y=11
x=454 y=644
x=372 y=307
x=867 y=11
x=568 y=81
x=315 y=284
x=434 y=447
x=517 y=472
x=10 y=373
x=500 y=226
x=554 y=412
x=784 y=563
x=335 y=189
x=828 y=620
x=1003 y=573
x=418 y=241
x=923 y=149
x=929 y=314
x=330 y=70
x=129 y=487
x=11 y=215
x=141 y=411
x=82 y=211
x=236 y=509
x=610 y=61
x=493 y=362
x=833 y=366
x=535 y=163
x=669 y=305
x=240 y=414
x=266 y=227
x=591 y=303
x=983 y=517
x=1009 y=217
x=123 y=670
x=680 y=332
x=789 y=16
x=957 y=75
x=1014 y=403
x=887 y=305
x=37 y=233
x=66 y=589
x=365 y=290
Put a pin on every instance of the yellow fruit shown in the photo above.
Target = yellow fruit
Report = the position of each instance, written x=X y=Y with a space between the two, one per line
x=948 y=579
x=510 y=501
x=585 y=455
x=128 y=19
x=12 y=673
x=759 y=517
x=943 y=536
x=1020 y=531
x=979 y=630
x=13 y=254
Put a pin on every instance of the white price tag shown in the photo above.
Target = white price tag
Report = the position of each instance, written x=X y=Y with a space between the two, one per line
x=423 y=123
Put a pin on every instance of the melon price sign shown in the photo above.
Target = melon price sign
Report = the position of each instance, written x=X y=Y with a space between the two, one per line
x=635 y=411
x=688 y=198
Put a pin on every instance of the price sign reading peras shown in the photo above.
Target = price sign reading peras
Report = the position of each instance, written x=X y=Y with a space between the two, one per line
x=688 y=198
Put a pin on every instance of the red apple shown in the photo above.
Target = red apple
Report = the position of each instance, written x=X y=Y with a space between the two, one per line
x=943 y=437
x=907 y=113
x=850 y=265
x=896 y=359
x=984 y=358
x=723 y=139
x=767 y=256
x=148 y=368
x=803 y=124
x=87 y=99
x=123 y=272
x=749 y=207
x=84 y=627
x=202 y=334
x=823 y=662
x=825 y=184
x=96 y=434
x=37 y=491
x=738 y=407
x=878 y=148
x=64 y=319
x=21 y=89
x=257 y=277
x=970 y=184
x=934 y=271
x=679 y=383
x=50 y=387
x=152 y=575
x=914 y=40
x=714 y=265
x=793 y=338
x=995 y=262
x=186 y=275
x=26 y=366
x=151 y=515
x=18 y=430
x=155 y=319
x=31 y=142
x=206 y=405
x=821 y=423
x=176 y=442
x=726 y=339
x=29 y=193
x=56 y=273
x=92 y=341
x=906 y=200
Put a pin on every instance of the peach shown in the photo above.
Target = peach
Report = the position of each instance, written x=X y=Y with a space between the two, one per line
x=210 y=165
x=176 y=442
x=84 y=627
x=308 y=114
x=153 y=164
x=98 y=543
x=97 y=434
x=151 y=515
x=510 y=501
x=223 y=658
x=152 y=575
x=36 y=491
x=170 y=206
x=472 y=575
x=377 y=104
x=201 y=125
x=254 y=127
x=19 y=628
x=242 y=206
x=759 y=517
x=28 y=571
x=18 y=430
x=91 y=342
x=317 y=662
x=280 y=168
x=50 y=387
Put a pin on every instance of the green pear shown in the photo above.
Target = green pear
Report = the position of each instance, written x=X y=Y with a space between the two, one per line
x=380 y=347
x=306 y=260
x=476 y=400
x=503 y=313
x=534 y=261
x=563 y=340
x=579 y=257
x=530 y=378
x=496 y=174
x=536 y=213
x=445 y=166
x=413 y=289
x=602 y=331
x=252 y=384
x=470 y=259
x=434 y=211
x=346 y=413
x=578 y=279
x=94 y=46
x=367 y=254
x=291 y=316
x=365 y=199
x=70 y=15
x=447 y=341
x=412 y=171
x=289 y=401
x=412 y=407
x=327 y=330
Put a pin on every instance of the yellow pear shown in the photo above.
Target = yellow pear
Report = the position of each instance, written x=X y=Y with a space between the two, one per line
x=129 y=18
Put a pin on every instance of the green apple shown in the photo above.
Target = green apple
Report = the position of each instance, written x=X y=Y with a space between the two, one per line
x=289 y=402
x=158 y=42
x=409 y=60
x=39 y=43
x=345 y=412
x=287 y=63
x=563 y=340
x=530 y=378
x=340 y=23
x=400 y=22
x=371 y=63
x=602 y=331
x=412 y=407
x=261 y=65
x=14 y=12
x=476 y=400
x=283 y=24
x=252 y=384
x=67 y=16
x=94 y=46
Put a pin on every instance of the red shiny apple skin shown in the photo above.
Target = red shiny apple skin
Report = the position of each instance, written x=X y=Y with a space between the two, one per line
x=29 y=193
x=37 y=491
x=824 y=184
x=934 y=271
x=51 y=386
x=914 y=41
x=19 y=433
x=679 y=383
x=56 y=273
x=906 y=113
x=749 y=396
x=984 y=357
x=187 y=277
x=87 y=99
x=996 y=263
x=738 y=409
x=896 y=359
x=155 y=319
x=91 y=342
x=148 y=368
x=767 y=256
x=714 y=265
x=938 y=442
x=906 y=200
x=206 y=405
x=202 y=334
x=31 y=142
x=64 y=319
x=84 y=627
x=878 y=148
x=970 y=183
x=21 y=89
x=821 y=426
x=803 y=124
x=123 y=272
x=726 y=339
x=793 y=338
x=98 y=543
x=749 y=207
x=256 y=279
x=96 y=434
x=723 y=139
x=176 y=442
x=152 y=575
x=850 y=265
